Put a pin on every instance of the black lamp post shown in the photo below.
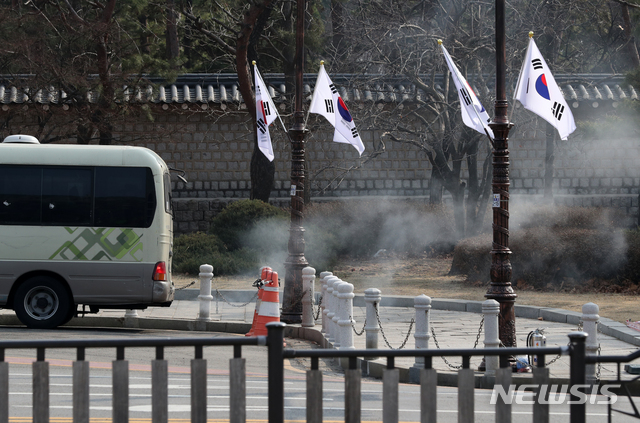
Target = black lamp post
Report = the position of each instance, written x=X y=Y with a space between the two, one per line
x=501 y=289
x=292 y=297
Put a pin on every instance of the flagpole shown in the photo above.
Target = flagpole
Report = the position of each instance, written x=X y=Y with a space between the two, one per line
x=293 y=293
x=501 y=289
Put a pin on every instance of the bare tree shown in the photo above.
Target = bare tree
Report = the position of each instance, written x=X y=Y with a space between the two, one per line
x=84 y=51
x=235 y=31
x=393 y=48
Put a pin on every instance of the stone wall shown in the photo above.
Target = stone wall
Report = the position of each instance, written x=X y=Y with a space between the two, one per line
x=214 y=147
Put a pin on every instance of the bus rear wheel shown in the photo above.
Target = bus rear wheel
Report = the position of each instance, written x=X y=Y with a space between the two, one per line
x=42 y=303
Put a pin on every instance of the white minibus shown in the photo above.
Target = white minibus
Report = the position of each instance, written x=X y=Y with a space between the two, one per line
x=82 y=225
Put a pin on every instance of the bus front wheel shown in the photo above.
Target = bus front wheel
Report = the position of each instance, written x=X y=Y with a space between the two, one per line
x=42 y=303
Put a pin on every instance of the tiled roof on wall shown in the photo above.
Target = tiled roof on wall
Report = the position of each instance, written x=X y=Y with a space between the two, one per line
x=223 y=88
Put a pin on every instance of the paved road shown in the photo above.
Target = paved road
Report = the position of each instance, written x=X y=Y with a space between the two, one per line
x=218 y=400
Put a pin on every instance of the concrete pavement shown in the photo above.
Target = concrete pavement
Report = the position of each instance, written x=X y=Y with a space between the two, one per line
x=456 y=324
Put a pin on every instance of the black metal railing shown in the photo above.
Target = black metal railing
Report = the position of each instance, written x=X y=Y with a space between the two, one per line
x=120 y=376
x=624 y=384
x=428 y=378
x=277 y=354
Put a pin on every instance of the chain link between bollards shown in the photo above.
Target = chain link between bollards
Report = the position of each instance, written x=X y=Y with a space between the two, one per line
x=385 y=337
x=479 y=333
x=353 y=326
x=435 y=340
x=236 y=305
x=475 y=345
x=186 y=286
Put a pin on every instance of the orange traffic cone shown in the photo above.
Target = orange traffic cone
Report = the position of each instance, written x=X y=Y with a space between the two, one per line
x=260 y=284
x=270 y=305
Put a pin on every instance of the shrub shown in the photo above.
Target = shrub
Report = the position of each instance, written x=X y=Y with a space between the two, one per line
x=249 y=234
x=192 y=250
x=632 y=268
x=566 y=246
x=361 y=228
x=233 y=224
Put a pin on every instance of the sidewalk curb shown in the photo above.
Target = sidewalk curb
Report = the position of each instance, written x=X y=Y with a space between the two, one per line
x=606 y=326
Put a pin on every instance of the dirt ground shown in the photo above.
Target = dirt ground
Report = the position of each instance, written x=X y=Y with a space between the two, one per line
x=427 y=275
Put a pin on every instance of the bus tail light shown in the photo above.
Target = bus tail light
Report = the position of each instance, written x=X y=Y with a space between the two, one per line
x=160 y=271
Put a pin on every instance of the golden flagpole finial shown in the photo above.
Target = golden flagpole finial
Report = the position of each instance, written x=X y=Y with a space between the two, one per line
x=253 y=62
x=322 y=62
x=439 y=42
x=530 y=34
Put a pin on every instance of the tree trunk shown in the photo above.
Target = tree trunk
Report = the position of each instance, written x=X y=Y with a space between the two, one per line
x=628 y=35
x=262 y=170
x=458 y=210
x=436 y=186
x=337 y=24
x=173 y=46
x=84 y=134
x=144 y=36
x=106 y=134
x=473 y=183
x=262 y=173
x=104 y=113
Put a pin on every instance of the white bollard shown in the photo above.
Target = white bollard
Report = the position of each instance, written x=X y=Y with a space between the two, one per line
x=323 y=298
x=372 y=297
x=131 y=318
x=491 y=310
x=337 y=307
x=345 y=295
x=130 y=313
x=330 y=309
x=308 y=278
x=205 y=297
x=422 y=305
x=590 y=319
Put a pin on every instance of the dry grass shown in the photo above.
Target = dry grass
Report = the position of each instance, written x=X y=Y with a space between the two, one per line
x=425 y=275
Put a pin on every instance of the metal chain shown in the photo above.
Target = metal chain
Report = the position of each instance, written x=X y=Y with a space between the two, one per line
x=236 y=305
x=353 y=326
x=433 y=334
x=526 y=363
x=556 y=358
x=553 y=360
x=186 y=286
x=375 y=306
x=479 y=332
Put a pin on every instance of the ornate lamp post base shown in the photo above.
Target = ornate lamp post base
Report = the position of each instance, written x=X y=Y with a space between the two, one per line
x=293 y=292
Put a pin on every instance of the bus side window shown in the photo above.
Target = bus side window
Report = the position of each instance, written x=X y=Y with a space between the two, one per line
x=67 y=196
x=168 y=206
x=125 y=197
x=20 y=195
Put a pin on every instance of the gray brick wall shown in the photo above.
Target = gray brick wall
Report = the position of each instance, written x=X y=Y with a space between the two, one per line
x=214 y=147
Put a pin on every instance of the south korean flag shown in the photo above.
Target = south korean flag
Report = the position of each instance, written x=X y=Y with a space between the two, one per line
x=474 y=115
x=538 y=92
x=266 y=113
x=327 y=102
